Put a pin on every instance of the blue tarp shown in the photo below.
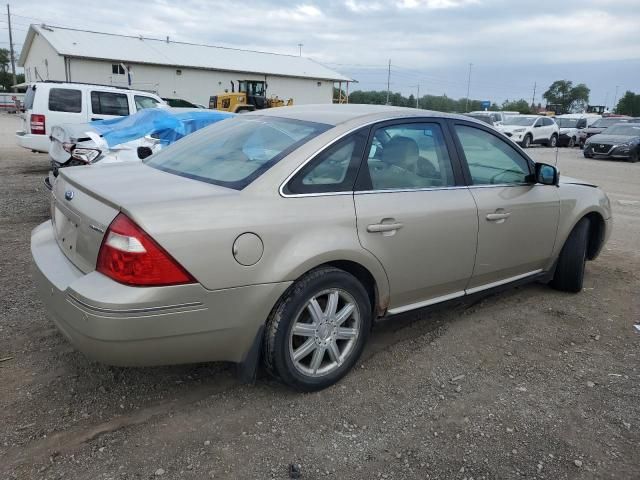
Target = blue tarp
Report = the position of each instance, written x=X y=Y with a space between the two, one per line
x=166 y=125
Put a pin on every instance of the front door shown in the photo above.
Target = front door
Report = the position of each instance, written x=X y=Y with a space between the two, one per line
x=517 y=220
x=414 y=214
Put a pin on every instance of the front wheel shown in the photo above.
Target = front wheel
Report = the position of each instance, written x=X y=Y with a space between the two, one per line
x=634 y=156
x=526 y=142
x=569 y=273
x=318 y=329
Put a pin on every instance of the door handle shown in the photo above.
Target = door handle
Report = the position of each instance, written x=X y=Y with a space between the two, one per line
x=383 y=227
x=498 y=217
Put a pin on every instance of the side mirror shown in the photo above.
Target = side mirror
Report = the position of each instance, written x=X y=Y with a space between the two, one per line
x=144 y=152
x=546 y=174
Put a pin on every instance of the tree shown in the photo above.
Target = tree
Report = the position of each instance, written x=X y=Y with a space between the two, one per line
x=4 y=59
x=629 y=104
x=521 y=106
x=565 y=97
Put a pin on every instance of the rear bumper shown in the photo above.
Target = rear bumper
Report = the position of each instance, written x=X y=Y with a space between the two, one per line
x=131 y=326
x=39 y=143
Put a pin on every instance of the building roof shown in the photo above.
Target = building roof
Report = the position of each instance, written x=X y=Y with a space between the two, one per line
x=123 y=48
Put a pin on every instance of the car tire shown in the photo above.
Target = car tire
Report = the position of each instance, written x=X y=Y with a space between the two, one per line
x=569 y=273
x=302 y=344
x=634 y=156
x=526 y=141
x=572 y=142
x=553 y=141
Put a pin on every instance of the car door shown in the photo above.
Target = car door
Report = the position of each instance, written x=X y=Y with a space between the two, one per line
x=517 y=220
x=414 y=213
x=538 y=130
x=107 y=104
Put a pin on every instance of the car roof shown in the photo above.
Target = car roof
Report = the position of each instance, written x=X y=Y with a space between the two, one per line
x=335 y=114
x=117 y=88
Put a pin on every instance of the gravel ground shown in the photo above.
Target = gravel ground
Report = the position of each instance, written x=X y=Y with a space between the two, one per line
x=529 y=383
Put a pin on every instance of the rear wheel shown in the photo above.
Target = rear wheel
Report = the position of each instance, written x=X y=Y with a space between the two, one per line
x=553 y=141
x=318 y=329
x=569 y=273
x=526 y=142
x=572 y=142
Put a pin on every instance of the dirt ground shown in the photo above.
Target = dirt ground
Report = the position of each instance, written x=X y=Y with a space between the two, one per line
x=529 y=383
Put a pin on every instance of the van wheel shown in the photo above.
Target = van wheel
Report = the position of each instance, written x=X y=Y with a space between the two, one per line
x=318 y=329
x=569 y=273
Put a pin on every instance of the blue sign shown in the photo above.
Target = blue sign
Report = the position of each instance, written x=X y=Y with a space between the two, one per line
x=485 y=104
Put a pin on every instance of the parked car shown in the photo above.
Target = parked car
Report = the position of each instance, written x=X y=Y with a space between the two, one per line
x=181 y=103
x=283 y=234
x=529 y=129
x=54 y=103
x=124 y=139
x=570 y=126
x=497 y=117
x=600 y=126
x=620 y=141
x=491 y=118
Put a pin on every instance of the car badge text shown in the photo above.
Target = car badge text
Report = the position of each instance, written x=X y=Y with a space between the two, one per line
x=69 y=194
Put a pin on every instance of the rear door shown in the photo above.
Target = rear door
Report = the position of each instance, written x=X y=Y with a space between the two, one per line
x=108 y=104
x=414 y=214
x=517 y=220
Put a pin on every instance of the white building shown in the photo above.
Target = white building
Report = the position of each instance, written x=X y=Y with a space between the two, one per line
x=170 y=69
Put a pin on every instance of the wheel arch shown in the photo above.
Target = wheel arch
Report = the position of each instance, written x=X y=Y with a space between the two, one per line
x=596 y=234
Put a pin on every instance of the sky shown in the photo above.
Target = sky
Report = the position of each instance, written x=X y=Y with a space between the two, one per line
x=511 y=44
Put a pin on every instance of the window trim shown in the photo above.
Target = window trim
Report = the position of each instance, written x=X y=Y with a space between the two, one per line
x=361 y=185
x=463 y=159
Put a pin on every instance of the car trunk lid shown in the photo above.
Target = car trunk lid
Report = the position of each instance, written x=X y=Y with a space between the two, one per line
x=85 y=200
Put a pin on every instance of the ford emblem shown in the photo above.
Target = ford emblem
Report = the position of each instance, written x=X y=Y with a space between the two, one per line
x=69 y=194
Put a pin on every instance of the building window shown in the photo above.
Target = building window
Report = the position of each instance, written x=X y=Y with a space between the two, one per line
x=117 y=69
x=178 y=72
x=319 y=84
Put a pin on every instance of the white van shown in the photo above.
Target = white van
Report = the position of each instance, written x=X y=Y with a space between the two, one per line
x=53 y=103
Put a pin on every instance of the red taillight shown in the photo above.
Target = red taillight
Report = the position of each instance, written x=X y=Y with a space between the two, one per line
x=37 y=124
x=129 y=255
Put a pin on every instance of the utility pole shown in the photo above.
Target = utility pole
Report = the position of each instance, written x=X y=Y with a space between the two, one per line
x=418 y=97
x=533 y=98
x=614 y=98
x=300 y=45
x=466 y=108
x=388 y=81
x=13 y=57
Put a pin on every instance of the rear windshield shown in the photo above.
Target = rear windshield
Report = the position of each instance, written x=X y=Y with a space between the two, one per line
x=28 y=97
x=234 y=152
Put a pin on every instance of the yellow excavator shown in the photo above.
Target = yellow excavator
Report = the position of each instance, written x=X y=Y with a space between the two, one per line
x=251 y=95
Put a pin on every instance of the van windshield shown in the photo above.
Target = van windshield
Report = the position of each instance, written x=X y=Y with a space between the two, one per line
x=234 y=152
x=567 y=122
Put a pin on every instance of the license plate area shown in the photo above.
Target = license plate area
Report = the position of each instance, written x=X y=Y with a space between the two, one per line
x=66 y=225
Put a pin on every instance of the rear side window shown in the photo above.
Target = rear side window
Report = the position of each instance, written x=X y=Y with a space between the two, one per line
x=107 y=103
x=65 y=100
x=333 y=170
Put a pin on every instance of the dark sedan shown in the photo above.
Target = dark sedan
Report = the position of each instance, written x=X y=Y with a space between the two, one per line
x=600 y=126
x=621 y=141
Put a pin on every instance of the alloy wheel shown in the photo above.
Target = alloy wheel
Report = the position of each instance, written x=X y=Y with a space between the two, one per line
x=324 y=333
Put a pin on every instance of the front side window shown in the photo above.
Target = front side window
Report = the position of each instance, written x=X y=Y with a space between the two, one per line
x=234 y=152
x=333 y=170
x=143 y=102
x=65 y=100
x=107 y=103
x=409 y=156
x=491 y=160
